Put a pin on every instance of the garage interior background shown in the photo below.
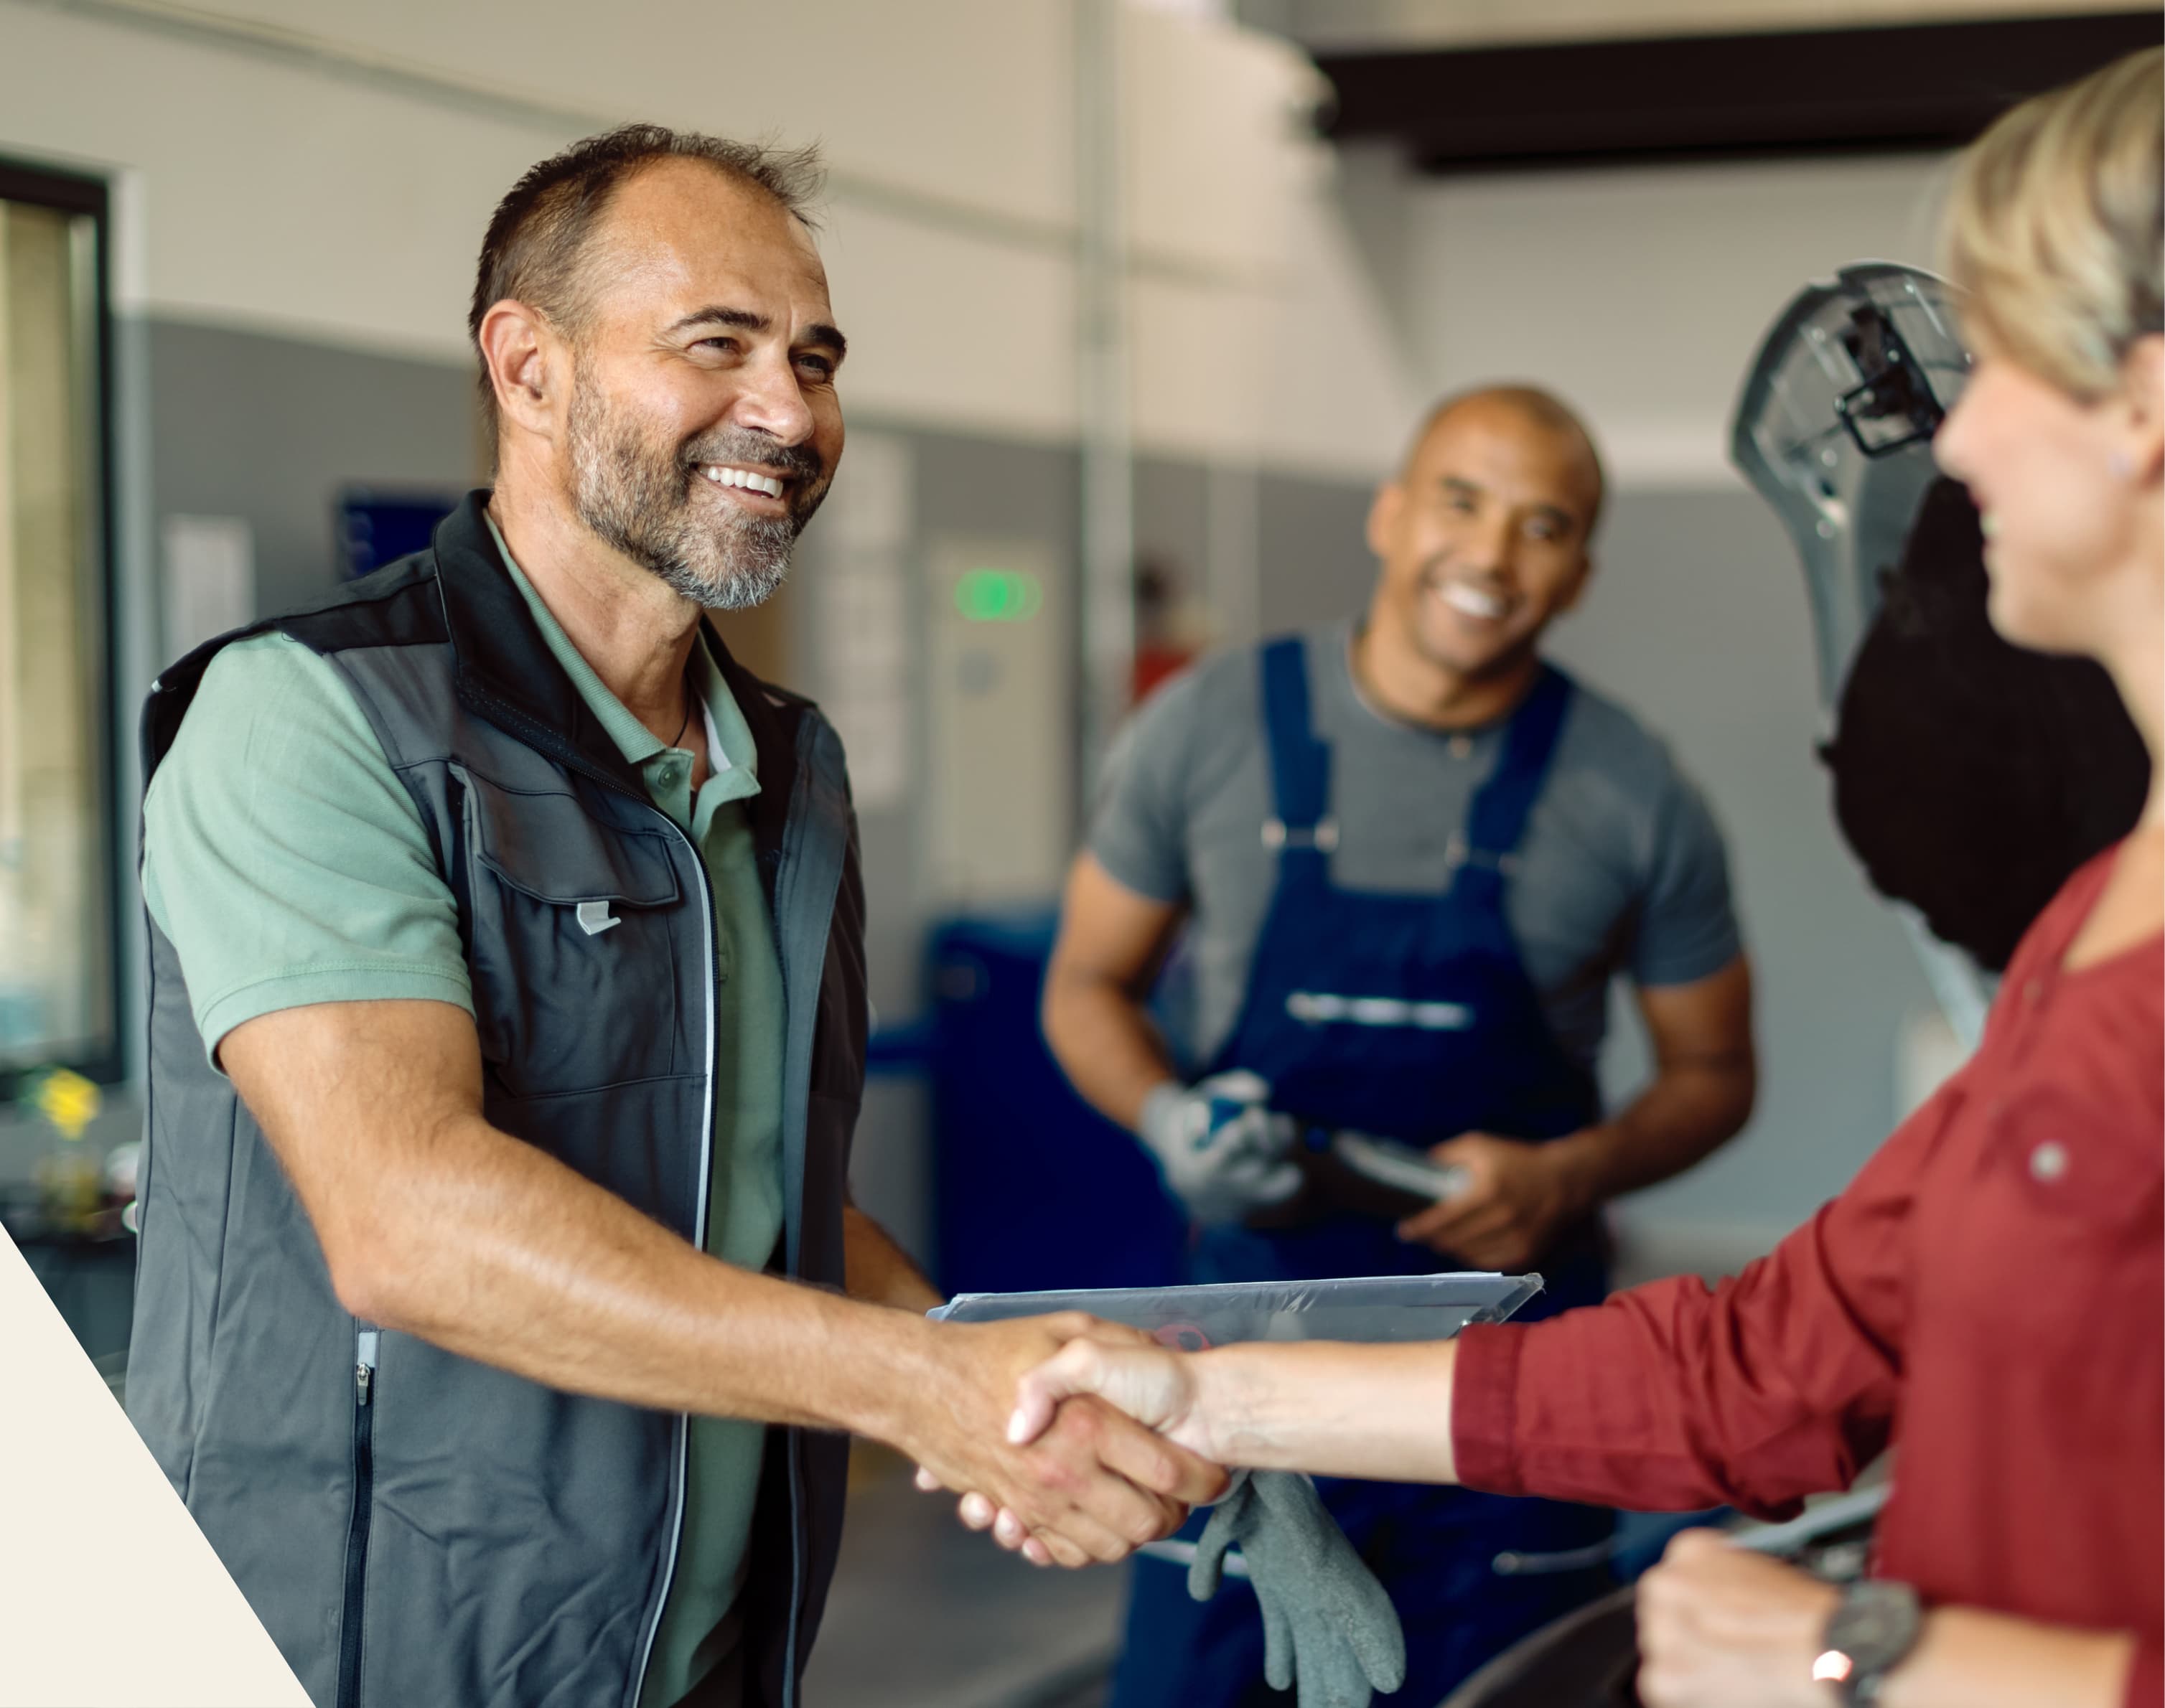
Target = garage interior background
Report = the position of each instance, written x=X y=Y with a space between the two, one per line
x=1189 y=335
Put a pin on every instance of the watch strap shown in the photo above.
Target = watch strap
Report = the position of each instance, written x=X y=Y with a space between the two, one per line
x=1869 y=1662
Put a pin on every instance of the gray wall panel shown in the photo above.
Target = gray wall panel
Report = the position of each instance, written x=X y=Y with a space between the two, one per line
x=1315 y=564
x=1173 y=522
x=271 y=428
x=1697 y=619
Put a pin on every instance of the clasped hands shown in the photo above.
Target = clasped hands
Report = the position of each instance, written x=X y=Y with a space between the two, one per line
x=1719 y=1626
x=1089 y=1480
x=1103 y=1453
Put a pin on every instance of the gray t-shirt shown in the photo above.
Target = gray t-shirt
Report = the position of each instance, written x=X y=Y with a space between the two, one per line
x=1622 y=869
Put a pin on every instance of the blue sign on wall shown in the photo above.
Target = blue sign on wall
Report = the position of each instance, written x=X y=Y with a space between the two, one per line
x=375 y=528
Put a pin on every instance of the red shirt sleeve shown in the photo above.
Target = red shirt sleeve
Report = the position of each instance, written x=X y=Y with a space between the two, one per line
x=1778 y=1384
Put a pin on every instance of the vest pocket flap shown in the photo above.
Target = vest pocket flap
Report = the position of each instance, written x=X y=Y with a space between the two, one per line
x=547 y=846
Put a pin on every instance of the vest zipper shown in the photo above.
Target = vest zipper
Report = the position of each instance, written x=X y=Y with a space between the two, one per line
x=698 y=1239
x=365 y=1344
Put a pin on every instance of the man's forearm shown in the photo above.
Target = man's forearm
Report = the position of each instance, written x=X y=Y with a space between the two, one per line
x=438 y=1224
x=526 y=1265
x=1105 y=1043
x=879 y=1271
x=501 y=1253
x=1689 y=1111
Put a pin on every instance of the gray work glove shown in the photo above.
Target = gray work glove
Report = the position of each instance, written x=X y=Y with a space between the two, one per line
x=1328 y=1625
x=1224 y=1151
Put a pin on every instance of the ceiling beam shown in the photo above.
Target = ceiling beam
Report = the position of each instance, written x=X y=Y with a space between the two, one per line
x=1901 y=87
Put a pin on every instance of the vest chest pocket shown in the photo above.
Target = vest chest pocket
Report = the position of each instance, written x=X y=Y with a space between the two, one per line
x=578 y=940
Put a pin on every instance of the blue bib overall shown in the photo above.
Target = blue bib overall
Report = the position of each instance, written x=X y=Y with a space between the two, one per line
x=1410 y=1017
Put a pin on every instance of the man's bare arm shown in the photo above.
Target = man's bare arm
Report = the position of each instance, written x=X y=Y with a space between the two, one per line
x=435 y=1223
x=1111 y=943
x=1706 y=1074
x=1518 y=1195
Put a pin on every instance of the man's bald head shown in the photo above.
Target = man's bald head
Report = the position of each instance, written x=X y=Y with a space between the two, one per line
x=1482 y=541
x=1527 y=404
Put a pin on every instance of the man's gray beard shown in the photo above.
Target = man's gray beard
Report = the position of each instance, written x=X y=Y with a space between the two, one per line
x=641 y=504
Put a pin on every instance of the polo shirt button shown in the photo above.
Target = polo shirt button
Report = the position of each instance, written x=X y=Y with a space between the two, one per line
x=1462 y=747
x=2033 y=992
x=2049 y=1161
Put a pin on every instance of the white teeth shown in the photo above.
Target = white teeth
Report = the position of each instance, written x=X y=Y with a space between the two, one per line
x=723 y=476
x=1473 y=601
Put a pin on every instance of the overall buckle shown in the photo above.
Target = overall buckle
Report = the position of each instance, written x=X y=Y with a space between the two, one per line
x=1457 y=853
x=1323 y=834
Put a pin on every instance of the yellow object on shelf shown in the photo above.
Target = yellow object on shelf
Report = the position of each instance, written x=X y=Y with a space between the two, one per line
x=68 y=1101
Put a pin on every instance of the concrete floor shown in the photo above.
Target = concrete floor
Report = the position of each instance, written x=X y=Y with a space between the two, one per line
x=925 y=1614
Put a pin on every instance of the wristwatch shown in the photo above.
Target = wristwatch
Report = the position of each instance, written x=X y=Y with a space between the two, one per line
x=1870 y=1632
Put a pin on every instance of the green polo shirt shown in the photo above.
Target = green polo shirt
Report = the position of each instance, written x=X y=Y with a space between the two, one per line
x=288 y=866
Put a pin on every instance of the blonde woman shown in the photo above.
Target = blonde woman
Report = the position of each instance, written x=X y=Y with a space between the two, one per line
x=1987 y=1294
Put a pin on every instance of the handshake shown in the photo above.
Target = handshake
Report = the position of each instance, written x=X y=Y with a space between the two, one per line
x=1059 y=1474
x=1103 y=1447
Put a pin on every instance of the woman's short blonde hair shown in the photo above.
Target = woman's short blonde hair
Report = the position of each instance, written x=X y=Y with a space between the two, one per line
x=2057 y=226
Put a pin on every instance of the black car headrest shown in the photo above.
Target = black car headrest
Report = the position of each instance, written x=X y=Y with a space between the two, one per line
x=1971 y=776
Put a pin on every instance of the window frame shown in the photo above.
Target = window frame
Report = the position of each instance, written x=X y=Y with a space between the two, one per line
x=105 y=1061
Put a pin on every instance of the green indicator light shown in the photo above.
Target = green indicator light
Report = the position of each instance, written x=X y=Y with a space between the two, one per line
x=999 y=595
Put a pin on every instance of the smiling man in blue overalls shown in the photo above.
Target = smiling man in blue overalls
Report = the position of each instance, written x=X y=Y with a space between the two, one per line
x=1410 y=856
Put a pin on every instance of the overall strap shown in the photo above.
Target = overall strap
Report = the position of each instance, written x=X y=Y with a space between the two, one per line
x=1496 y=822
x=1300 y=764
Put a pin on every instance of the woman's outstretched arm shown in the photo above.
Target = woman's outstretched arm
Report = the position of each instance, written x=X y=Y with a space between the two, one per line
x=1777 y=1384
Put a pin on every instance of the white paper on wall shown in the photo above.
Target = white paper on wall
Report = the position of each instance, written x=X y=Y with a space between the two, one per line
x=210 y=582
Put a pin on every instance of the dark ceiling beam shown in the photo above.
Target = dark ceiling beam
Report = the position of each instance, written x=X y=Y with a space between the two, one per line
x=1902 y=88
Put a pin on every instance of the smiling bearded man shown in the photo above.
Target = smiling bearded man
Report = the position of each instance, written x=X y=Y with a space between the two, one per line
x=1412 y=856
x=637 y=495
x=503 y=1317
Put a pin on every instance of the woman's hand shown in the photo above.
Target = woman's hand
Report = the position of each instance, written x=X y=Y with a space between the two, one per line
x=1041 y=1394
x=1720 y=1626
x=1155 y=1386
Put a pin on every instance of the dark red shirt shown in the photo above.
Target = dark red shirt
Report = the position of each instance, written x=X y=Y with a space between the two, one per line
x=1988 y=1296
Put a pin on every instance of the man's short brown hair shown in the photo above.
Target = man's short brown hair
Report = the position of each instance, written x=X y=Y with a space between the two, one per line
x=538 y=237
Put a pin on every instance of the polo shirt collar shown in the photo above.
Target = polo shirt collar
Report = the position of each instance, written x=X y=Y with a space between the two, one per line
x=732 y=757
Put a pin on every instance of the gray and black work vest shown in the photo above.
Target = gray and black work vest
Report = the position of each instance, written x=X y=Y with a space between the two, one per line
x=419 y=1530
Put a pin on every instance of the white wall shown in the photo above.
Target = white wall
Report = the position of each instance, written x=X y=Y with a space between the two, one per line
x=326 y=171
x=1641 y=294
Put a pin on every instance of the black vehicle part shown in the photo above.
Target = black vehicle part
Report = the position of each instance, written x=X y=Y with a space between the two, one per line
x=1972 y=776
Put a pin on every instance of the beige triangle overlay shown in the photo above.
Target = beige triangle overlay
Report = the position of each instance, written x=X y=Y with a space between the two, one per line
x=109 y=1595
